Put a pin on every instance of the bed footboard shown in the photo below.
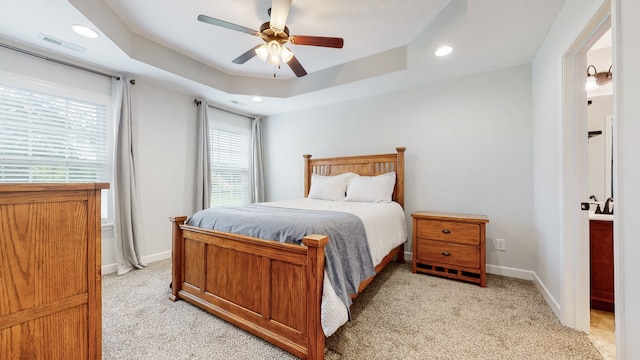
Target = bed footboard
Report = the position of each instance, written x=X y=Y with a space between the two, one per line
x=270 y=289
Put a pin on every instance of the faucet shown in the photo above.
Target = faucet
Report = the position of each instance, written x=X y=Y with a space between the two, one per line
x=607 y=209
x=595 y=199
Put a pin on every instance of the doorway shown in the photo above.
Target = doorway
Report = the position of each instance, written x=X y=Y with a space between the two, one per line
x=600 y=190
x=576 y=298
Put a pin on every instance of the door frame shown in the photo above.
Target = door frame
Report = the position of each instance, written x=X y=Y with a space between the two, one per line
x=575 y=298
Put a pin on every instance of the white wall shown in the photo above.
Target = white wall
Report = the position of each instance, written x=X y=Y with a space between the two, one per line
x=52 y=74
x=164 y=131
x=469 y=150
x=548 y=155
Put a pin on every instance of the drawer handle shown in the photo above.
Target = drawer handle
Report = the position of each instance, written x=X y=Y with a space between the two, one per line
x=446 y=253
x=446 y=231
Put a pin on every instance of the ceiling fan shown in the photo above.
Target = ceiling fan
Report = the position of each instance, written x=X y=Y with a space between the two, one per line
x=275 y=35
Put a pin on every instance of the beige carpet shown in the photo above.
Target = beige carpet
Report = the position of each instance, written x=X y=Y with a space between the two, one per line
x=399 y=316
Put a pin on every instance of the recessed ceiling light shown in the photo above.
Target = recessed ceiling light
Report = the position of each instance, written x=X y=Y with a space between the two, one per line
x=257 y=98
x=85 y=31
x=444 y=50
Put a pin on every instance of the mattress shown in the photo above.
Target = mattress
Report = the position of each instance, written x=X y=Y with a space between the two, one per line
x=386 y=229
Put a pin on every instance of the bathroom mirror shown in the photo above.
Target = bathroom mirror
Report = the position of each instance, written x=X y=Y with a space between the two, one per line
x=608 y=133
x=600 y=156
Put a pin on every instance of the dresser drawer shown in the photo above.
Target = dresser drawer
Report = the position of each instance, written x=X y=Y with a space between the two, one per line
x=450 y=231
x=460 y=255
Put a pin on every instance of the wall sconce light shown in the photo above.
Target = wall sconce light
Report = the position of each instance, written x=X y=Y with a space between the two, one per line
x=595 y=78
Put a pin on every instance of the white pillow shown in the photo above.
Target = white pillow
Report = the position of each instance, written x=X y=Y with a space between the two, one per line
x=372 y=188
x=329 y=187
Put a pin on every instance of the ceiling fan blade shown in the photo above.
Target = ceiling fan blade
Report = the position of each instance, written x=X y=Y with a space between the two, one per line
x=332 y=42
x=279 y=13
x=247 y=55
x=228 y=25
x=295 y=66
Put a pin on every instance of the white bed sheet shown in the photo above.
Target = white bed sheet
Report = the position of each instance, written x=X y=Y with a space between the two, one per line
x=386 y=228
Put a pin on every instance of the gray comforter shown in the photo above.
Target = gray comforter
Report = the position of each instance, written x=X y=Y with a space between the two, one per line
x=347 y=256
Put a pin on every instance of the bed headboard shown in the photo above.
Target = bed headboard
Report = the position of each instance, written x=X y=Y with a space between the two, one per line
x=367 y=165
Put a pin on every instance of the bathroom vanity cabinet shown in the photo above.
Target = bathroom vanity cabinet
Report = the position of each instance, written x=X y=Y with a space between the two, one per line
x=601 y=250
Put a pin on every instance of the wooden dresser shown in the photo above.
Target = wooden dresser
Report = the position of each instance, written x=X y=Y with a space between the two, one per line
x=50 y=276
x=450 y=245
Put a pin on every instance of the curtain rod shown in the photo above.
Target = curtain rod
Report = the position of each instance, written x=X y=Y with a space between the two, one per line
x=198 y=102
x=27 y=52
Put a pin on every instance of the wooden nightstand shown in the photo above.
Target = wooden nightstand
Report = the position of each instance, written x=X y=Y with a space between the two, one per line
x=450 y=245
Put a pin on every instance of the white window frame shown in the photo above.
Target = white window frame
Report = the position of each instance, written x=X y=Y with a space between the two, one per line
x=239 y=125
x=63 y=91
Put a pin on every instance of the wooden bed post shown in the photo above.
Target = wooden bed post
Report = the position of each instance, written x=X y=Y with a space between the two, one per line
x=307 y=174
x=315 y=273
x=400 y=176
x=400 y=192
x=177 y=262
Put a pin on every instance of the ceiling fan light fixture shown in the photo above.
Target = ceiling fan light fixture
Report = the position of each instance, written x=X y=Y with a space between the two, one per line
x=274 y=60
x=274 y=48
x=262 y=52
x=286 y=54
x=274 y=53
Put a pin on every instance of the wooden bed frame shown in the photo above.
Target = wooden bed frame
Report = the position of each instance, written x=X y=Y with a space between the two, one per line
x=270 y=289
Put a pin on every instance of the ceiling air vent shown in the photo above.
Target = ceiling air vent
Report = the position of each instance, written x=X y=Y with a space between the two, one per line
x=236 y=102
x=61 y=43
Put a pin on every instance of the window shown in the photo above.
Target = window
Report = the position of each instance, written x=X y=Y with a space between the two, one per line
x=229 y=142
x=53 y=137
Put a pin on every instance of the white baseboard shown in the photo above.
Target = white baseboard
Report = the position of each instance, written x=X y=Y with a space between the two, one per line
x=551 y=301
x=112 y=268
x=527 y=275
x=109 y=269
x=495 y=269
x=518 y=274
x=510 y=272
x=157 y=257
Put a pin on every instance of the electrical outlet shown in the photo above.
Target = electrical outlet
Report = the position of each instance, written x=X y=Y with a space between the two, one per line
x=501 y=245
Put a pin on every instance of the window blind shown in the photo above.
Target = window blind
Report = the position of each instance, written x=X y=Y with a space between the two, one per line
x=229 y=165
x=50 y=138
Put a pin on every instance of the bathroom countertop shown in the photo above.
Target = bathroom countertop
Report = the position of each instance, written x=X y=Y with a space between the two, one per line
x=605 y=217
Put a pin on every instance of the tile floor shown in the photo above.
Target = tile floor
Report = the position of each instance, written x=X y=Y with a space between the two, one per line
x=603 y=333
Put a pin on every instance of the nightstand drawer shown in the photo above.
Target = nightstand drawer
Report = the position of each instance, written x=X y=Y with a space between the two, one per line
x=450 y=231
x=447 y=253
